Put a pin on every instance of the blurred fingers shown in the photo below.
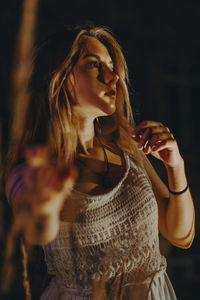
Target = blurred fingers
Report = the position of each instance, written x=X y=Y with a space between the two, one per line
x=36 y=156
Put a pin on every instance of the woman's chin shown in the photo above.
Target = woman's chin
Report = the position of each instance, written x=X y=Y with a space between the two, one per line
x=109 y=109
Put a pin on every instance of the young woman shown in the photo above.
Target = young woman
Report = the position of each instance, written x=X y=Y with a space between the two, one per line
x=93 y=200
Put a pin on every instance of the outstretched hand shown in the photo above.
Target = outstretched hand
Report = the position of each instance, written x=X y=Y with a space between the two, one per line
x=156 y=139
x=46 y=186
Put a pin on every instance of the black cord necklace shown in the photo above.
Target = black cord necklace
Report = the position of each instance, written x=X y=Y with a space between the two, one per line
x=105 y=178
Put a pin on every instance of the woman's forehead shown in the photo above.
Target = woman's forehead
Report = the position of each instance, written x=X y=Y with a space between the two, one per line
x=93 y=46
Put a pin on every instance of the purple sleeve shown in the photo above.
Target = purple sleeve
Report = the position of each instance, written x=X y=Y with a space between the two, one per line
x=15 y=184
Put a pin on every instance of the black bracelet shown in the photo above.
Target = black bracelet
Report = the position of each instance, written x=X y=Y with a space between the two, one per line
x=179 y=193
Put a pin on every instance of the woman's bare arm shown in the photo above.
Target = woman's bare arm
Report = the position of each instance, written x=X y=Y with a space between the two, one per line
x=176 y=212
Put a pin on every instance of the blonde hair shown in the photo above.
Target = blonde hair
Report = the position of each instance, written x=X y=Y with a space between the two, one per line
x=50 y=119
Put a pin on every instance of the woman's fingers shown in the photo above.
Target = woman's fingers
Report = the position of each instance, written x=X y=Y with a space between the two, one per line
x=152 y=136
x=139 y=129
x=46 y=184
x=163 y=145
x=156 y=139
x=63 y=179
x=54 y=195
x=50 y=193
x=36 y=159
x=36 y=156
x=145 y=137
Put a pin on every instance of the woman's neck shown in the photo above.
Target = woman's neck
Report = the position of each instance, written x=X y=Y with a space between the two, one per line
x=85 y=135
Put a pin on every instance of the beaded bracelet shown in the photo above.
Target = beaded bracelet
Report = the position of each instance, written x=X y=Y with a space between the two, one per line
x=179 y=193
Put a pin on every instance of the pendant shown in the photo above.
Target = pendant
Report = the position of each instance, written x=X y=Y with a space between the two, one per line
x=106 y=182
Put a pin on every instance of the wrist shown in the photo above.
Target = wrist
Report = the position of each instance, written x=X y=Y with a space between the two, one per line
x=177 y=193
x=179 y=165
x=177 y=180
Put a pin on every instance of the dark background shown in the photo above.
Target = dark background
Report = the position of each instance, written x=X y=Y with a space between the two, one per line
x=161 y=42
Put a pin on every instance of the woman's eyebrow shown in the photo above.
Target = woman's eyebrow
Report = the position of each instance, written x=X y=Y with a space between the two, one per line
x=90 y=54
x=96 y=56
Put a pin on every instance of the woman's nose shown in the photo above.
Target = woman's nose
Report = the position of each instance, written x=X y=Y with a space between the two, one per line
x=110 y=77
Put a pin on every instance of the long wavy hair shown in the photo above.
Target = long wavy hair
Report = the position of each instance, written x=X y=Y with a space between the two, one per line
x=50 y=118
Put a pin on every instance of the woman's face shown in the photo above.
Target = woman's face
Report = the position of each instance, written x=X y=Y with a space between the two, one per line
x=92 y=81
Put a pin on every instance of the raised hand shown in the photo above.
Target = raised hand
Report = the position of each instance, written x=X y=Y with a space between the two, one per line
x=156 y=139
x=40 y=197
x=46 y=186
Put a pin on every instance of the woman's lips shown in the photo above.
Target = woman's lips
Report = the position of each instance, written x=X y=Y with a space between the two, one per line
x=111 y=93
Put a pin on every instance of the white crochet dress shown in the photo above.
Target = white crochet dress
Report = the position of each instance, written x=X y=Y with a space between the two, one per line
x=114 y=241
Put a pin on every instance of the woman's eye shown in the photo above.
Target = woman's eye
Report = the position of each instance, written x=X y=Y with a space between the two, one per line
x=94 y=64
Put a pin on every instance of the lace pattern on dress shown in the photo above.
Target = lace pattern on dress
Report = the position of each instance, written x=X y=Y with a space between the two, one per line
x=115 y=229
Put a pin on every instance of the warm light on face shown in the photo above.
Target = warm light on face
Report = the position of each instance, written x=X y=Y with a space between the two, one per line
x=94 y=81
